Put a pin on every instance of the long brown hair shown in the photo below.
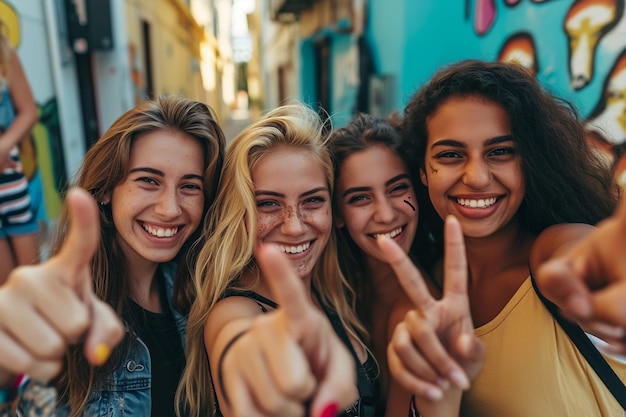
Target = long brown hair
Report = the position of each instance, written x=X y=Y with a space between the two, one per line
x=106 y=165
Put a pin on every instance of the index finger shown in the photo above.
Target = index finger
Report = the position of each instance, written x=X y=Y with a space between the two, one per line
x=286 y=287
x=83 y=235
x=454 y=258
x=409 y=276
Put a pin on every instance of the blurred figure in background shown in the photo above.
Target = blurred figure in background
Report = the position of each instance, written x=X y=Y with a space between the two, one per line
x=19 y=244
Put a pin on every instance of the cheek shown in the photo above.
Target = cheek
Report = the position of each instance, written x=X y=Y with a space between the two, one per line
x=321 y=219
x=266 y=223
x=195 y=208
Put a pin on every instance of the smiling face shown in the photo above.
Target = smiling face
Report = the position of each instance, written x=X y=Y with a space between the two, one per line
x=293 y=205
x=375 y=197
x=472 y=167
x=160 y=203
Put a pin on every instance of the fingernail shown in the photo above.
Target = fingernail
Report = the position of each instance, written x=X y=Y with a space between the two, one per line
x=330 y=410
x=459 y=379
x=442 y=383
x=434 y=394
x=101 y=353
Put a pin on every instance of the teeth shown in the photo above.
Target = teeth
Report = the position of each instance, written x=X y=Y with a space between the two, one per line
x=391 y=234
x=160 y=231
x=295 y=249
x=480 y=203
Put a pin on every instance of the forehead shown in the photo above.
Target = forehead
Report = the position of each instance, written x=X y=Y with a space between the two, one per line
x=375 y=164
x=467 y=117
x=289 y=168
x=167 y=149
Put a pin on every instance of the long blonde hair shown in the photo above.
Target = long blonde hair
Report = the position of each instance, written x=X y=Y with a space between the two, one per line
x=106 y=165
x=229 y=251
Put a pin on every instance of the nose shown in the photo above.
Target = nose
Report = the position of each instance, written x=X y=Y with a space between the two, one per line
x=385 y=213
x=477 y=174
x=168 y=205
x=293 y=223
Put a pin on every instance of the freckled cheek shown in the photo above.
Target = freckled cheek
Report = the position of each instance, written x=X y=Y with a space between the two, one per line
x=267 y=223
x=321 y=219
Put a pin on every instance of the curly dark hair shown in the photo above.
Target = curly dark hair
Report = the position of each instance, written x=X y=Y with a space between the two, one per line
x=565 y=181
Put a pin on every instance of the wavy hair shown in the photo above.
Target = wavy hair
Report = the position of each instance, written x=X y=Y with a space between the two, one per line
x=229 y=251
x=363 y=132
x=565 y=180
x=104 y=167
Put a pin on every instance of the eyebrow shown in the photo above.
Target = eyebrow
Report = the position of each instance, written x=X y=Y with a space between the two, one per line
x=160 y=173
x=458 y=144
x=387 y=183
x=304 y=194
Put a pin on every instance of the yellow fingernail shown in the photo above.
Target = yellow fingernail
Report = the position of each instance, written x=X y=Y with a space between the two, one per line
x=101 y=354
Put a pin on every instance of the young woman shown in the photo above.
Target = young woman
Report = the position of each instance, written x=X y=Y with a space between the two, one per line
x=19 y=237
x=266 y=352
x=154 y=174
x=511 y=163
x=375 y=197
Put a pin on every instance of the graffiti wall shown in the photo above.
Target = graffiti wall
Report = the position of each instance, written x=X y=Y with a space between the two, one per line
x=576 y=48
x=41 y=151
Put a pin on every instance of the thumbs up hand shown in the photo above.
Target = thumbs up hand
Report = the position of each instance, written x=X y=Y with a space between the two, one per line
x=289 y=362
x=47 y=307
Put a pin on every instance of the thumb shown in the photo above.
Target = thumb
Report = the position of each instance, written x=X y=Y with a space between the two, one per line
x=105 y=333
x=83 y=236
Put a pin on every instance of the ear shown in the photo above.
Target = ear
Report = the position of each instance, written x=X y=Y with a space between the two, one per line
x=423 y=177
x=106 y=198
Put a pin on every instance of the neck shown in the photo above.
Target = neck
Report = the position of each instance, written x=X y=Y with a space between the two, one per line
x=489 y=256
x=144 y=288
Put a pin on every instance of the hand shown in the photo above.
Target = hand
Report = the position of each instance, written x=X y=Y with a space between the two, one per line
x=45 y=308
x=435 y=345
x=290 y=362
x=588 y=281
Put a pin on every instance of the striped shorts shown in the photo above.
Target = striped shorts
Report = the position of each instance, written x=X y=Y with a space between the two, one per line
x=16 y=214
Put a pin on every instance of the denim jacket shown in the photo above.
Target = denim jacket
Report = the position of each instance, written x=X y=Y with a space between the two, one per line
x=125 y=392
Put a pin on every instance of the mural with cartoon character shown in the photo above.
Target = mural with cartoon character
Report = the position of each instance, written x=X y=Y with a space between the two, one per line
x=41 y=151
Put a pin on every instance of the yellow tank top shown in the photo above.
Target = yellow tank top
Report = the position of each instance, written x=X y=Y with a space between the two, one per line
x=532 y=369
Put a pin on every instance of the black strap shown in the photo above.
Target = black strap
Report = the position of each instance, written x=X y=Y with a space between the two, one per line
x=588 y=350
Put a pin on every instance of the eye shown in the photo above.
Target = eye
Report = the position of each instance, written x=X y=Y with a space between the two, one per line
x=266 y=204
x=400 y=189
x=448 y=154
x=504 y=152
x=315 y=201
x=357 y=198
x=147 y=180
x=192 y=186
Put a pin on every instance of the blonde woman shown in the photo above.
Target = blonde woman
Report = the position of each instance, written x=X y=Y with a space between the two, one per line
x=268 y=350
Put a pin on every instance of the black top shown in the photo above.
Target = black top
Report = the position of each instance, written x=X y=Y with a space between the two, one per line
x=167 y=357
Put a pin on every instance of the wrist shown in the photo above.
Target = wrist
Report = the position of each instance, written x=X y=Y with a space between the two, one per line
x=220 y=364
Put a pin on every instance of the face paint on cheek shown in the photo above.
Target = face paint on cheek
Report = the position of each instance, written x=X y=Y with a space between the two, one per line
x=409 y=203
x=432 y=169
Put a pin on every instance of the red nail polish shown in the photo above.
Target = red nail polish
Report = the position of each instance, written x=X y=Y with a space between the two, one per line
x=330 y=410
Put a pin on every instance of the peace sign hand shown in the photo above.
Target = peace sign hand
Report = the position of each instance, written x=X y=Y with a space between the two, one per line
x=435 y=345
x=45 y=308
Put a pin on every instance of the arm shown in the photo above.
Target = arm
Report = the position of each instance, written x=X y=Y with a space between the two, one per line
x=287 y=361
x=586 y=276
x=24 y=104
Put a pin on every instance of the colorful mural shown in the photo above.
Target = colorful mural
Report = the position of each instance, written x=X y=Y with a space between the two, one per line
x=596 y=38
x=41 y=151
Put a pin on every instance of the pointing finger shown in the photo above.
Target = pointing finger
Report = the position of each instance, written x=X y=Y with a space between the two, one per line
x=455 y=261
x=409 y=276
